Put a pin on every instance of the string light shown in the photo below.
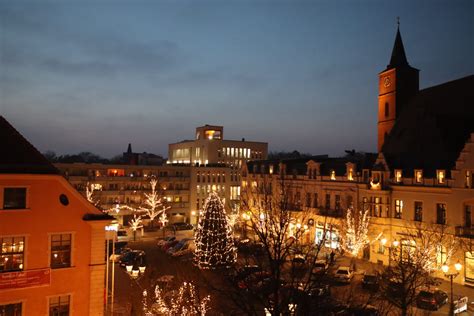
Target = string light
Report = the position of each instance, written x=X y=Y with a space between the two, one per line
x=214 y=237
x=154 y=206
x=356 y=236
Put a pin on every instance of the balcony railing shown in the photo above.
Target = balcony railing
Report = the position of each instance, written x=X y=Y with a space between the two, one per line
x=463 y=231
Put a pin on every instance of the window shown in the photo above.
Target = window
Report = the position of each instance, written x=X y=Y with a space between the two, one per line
x=467 y=216
x=328 y=201
x=337 y=205
x=14 y=198
x=440 y=175
x=333 y=175
x=365 y=204
x=387 y=112
x=468 y=182
x=12 y=253
x=441 y=255
x=11 y=309
x=418 y=211
x=350 y=175
x=441 y=213
x=418 y=176
x=198 y=176
x=60 y=251
x=398 y=176
x=365 y=175
x=315 y=200
x=350 y=203
x=381 y=248
x=59 y=305
x=378 y=207
x=398 y=208
x=308 y=199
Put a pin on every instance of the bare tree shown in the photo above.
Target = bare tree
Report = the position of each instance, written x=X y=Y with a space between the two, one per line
x=412 y=260
x=153 y=204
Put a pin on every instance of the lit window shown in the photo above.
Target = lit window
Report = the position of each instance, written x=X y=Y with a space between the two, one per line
x=270 y=170
x=350 y=175
x=468 y=183
x=14 y=198
x=59 y=305
x=398 y=208
x=12 y=254
x=60 y=251
x=418 y=176
x=333 y=175
x=398 y=176
x=441 y=176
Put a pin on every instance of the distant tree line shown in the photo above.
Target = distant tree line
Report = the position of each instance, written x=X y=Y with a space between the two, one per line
x=287 y=155
x=85 y=157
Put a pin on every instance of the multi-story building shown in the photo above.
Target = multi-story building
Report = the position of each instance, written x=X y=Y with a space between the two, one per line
x=422 y=175
x=52 y=239
x=183 y=185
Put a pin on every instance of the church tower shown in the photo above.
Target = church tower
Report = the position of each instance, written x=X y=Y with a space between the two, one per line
x=397 y=84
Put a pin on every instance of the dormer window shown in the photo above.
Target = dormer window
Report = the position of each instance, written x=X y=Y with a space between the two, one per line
x=398 y=176
x=333 y=175
x=350 y=175
x=270 y=169
x=418 y=176
x=441 y=176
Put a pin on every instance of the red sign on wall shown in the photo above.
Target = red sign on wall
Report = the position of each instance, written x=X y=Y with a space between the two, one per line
x=21 y=279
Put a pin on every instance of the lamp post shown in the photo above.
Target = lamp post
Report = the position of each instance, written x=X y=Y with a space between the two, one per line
x=451 y=276
x=135 y=271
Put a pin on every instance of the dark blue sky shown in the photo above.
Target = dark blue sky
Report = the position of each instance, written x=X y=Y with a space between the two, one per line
x=96 y=75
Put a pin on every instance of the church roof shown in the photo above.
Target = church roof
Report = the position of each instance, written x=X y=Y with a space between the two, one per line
x=18 y=155
x=398 y=58
x=433 y=128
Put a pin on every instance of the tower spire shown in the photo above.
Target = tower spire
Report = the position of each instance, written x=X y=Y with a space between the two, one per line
x=398 y=57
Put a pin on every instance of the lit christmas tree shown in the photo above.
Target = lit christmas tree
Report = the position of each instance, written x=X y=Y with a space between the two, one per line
x=214 y=239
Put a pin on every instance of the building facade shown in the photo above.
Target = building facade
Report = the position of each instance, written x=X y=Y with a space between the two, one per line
x=420 y=179
x=192 y=171
x=53 y=263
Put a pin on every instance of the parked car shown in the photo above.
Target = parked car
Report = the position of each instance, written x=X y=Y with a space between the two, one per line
x=344 y=274
x=370 y=281
x=431 y=299
x=163 y=241
x=365 y=310
x=169 y=244
x=320 y=266
x=181 y=245
x=119 y=252
x=133 y=257
x=182 y=226
x=322 y=290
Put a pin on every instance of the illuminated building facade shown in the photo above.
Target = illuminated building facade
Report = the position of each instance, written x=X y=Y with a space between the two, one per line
x=422 y=175
x=184 y=185
x=52 y=263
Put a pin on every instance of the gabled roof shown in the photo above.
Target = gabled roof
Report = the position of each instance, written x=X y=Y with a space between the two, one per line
x=433 y=128
x=18 y=155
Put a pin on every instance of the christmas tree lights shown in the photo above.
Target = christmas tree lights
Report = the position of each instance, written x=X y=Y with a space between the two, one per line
x=214 y=238
x=185 y=302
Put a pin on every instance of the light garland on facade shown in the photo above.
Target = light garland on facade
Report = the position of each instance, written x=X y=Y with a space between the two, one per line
x=214 y=237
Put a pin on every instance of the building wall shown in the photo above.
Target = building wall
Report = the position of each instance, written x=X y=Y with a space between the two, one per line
x=44 y=216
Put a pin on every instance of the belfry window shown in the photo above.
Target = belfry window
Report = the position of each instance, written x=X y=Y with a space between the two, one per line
x=387 y=110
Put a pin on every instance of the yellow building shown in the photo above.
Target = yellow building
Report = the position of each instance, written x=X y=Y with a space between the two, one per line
x=52 y=240
x=421 y=177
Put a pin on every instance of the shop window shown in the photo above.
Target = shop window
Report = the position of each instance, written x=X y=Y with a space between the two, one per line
x=59 y=305
x=14 y=198
x=12 y=254
x=60 y=251
x=469 y=267
x=11 y=309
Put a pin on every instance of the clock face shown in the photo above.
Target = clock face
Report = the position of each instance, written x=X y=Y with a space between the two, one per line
x=386 y=82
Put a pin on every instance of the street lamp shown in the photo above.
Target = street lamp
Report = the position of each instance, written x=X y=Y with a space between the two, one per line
x=451 y=276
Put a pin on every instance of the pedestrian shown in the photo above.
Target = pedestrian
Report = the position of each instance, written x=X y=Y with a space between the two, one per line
x=332 y=256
